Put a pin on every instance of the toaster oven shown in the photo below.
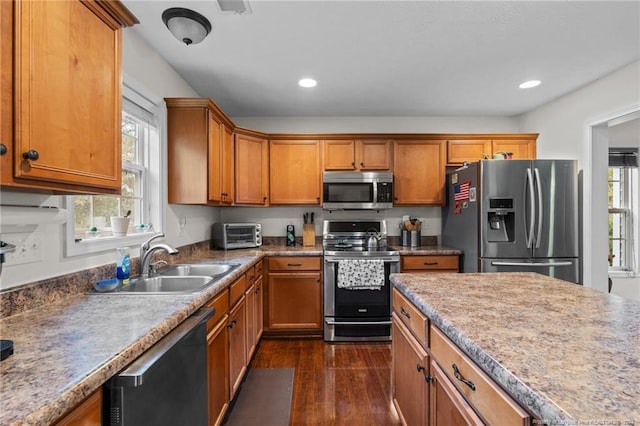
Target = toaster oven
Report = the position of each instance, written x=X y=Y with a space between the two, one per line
x=236 y=235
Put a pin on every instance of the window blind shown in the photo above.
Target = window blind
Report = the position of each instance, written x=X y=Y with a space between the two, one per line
x=623 y=157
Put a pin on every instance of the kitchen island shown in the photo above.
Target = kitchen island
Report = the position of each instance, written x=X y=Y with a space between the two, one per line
x=565 y=353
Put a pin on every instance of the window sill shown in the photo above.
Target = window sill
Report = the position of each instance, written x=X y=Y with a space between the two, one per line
x=97 y=245
x=622 y=274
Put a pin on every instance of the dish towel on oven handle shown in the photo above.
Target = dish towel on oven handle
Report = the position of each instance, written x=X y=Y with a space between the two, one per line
x=361 y=274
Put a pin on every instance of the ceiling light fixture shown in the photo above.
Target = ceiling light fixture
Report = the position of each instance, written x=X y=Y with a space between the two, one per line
x=307 y=82
x=186 y=25
x=529 y=84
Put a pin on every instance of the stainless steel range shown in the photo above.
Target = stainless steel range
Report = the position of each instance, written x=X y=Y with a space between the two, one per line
x=357 y=292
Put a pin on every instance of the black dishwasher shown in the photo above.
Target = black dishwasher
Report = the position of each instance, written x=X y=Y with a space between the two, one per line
x=166 y=385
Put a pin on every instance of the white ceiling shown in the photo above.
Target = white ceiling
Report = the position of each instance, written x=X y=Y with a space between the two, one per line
x=396 y=58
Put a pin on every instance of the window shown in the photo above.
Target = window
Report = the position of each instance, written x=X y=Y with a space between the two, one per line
x=89 y=227
x=623 y=211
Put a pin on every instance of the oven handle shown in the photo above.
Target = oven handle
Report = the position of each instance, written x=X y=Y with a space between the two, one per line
x=334 y=322
x=385 y=259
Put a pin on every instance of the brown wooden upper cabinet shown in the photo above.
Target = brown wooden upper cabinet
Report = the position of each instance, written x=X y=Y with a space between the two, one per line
x=419 y=172
x=60 y=113
x=200 y=152
x=473 y=148
x=252 y=168
x=357 y=155
x=294 y=173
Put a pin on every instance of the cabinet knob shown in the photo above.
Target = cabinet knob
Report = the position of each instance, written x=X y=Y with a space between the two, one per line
x=32 y=154
x=353 y=164
x=264 y=199
x=3 y=149
x=361 y=164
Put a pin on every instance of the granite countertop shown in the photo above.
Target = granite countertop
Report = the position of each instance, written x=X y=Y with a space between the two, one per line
x=569 y=354
x=427 y=250
x=67 y=348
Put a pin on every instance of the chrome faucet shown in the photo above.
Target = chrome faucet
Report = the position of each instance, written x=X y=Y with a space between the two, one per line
x=146 y=252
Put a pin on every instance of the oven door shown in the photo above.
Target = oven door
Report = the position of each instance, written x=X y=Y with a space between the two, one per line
x=352 y=315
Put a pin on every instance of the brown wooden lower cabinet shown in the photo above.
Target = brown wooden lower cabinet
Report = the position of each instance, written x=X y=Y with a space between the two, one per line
x=429 y=264
x=218 y=371
x=410 y=367
x=294 y=296
x=87 y=413
x=237 y=345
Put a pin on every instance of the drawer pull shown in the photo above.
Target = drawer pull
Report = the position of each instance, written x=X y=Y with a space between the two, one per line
x=405 y=313
x=430 y=263
x=456 y=373
x=294 y=264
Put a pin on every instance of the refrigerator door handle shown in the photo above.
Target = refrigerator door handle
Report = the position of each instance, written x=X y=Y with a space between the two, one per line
x=562 y=263
x=532 y=210
x=540 y=215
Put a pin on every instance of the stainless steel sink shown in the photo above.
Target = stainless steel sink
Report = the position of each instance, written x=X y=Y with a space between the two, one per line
x=167 y=284
x=199 y=269
x=176 y=279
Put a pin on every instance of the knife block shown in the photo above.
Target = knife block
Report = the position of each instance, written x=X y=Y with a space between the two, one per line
x=308 y=235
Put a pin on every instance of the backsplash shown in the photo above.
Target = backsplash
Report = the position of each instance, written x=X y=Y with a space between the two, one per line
x=32 y=295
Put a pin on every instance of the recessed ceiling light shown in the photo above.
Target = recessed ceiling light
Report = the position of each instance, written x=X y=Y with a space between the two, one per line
x=307 y=82
x=529 y=84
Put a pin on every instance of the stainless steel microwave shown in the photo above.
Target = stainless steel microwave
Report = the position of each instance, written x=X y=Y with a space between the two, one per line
x=357 y=190
x=236 y=235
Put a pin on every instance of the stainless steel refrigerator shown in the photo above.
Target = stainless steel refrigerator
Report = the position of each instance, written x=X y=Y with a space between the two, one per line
x=515 y=215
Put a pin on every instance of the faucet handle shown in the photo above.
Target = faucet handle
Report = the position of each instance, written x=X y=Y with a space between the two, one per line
x=147 y=243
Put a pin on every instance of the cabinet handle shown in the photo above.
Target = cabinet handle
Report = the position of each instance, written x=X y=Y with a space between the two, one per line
x=32 y=154
x=361 y=164
x=232 y=323
x=430 y=263
x=427 y=377
x=3 y=149
x=353 y=164
x=264 y=199
x=405 y=313
x=294 y=264
x=456 y=373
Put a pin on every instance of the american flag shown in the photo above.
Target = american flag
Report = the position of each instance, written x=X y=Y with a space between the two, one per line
x=461 y=192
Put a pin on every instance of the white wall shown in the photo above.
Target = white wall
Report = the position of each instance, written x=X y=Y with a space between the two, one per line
x=149 y=74
x=567 y=129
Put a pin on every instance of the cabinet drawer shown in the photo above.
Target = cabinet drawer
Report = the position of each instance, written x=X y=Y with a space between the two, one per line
x=251 y=275
x=411 y=317
x=489 y=400
x=294 y=263
x=237 y=290
x=221 y=305
x=429 y=263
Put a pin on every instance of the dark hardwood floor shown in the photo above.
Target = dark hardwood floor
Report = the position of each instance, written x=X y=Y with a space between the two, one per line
x=334 y=384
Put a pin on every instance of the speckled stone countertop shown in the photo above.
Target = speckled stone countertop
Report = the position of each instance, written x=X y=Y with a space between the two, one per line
x=67 y=348
x=569 y=354
x=426 y=251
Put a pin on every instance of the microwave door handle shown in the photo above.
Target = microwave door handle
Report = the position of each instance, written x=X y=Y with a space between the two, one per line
x=375 y=191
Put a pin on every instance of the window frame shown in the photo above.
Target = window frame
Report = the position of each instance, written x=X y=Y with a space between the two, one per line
x=629 y=215
x=151 y=191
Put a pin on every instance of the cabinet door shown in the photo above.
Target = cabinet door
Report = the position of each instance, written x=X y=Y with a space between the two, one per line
x=218 y=371
x=522 y=149
x=339 y=155
x=448 y=407
x=250 y=298
x=237 y=345
x=419 y=172
x=459 y=151
x=6 y=92
x=252 y=170
x=373 y=154
x=68 y=105
x=410 y=375
x=88 y=413
x=294 y=172
x=295 y=301
x=214 y=181
x=227 y=166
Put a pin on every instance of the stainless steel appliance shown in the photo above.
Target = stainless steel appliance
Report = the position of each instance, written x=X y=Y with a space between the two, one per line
x=236 y=235
x=515 y=215
x=357 y=190
x=167 y=385
x=360 y=312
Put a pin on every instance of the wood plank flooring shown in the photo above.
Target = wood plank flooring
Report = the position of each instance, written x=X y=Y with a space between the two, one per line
x=334 y=384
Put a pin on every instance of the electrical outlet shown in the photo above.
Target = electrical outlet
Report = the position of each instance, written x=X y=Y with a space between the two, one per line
x=28 y=248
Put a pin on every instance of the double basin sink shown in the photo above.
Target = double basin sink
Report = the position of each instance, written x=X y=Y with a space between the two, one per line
x=179 y=278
